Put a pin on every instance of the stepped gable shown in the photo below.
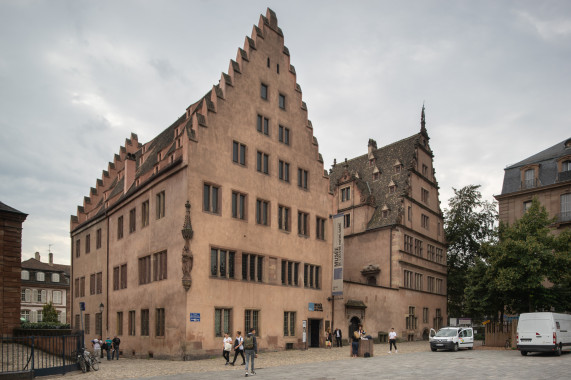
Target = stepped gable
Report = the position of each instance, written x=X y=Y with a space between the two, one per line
x=375 y=192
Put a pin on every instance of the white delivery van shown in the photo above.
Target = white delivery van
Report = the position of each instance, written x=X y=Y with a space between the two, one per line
x=452 y=338
x=544 y=332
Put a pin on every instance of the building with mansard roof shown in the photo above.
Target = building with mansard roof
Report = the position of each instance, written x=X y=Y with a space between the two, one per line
x=43 y=283
x=545 y=175
x=395 y=255
x=241 y=175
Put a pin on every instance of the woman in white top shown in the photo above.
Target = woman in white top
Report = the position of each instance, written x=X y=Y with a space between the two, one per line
x=226 y=348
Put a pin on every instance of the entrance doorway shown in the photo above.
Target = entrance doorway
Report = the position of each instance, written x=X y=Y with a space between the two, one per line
x=354 y=326
x=314 y=329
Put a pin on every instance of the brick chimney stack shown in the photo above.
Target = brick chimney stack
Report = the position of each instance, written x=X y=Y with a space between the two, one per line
x=51 y=259
x=38 y=256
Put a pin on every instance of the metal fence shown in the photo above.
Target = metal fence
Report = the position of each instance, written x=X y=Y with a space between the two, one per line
x=41 y=355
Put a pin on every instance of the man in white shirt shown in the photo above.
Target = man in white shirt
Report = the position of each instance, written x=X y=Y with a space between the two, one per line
x=393 y=340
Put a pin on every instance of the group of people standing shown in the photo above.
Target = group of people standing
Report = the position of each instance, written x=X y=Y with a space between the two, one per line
x=241 y=346
x=109 y=345
x=361 y=334
x=337 y=334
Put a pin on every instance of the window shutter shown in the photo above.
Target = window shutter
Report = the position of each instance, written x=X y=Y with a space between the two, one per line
x=33 y=316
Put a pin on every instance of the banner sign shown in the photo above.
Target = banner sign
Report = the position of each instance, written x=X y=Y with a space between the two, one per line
x=337 y=285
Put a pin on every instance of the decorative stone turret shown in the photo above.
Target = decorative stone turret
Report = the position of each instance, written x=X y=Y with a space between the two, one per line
x=187 y=257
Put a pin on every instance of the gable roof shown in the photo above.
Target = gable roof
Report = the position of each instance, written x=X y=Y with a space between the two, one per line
x=34 y=264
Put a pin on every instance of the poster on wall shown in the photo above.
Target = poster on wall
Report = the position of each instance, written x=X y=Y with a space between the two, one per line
x=337 y=286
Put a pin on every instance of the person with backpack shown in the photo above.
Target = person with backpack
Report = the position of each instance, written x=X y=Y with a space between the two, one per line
x=116 y=343
x=239 y=348
x=108 y=347
x=251 y=349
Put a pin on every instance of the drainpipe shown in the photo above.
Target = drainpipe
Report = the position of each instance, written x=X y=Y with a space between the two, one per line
x=107 y=280
x=391 y=260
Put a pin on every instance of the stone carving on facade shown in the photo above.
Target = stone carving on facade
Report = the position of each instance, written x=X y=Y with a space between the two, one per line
x=187 y=257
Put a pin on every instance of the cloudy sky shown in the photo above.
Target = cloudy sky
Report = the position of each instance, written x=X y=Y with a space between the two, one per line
x=77 y=77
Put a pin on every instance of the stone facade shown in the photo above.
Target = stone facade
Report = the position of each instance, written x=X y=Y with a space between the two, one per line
x=545 y=175
x=224 y=222
x=10 y=258
x=395 y=254
x=43 y=283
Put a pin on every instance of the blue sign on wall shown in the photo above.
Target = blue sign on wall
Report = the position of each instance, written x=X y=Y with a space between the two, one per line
x=82 y=306
x=195 y=317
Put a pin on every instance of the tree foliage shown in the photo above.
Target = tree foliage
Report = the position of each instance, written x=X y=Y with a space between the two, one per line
x=529 y=266
x=49 y=313
x=469 y=223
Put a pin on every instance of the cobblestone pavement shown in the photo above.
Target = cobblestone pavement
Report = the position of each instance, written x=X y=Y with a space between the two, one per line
x=413 y=361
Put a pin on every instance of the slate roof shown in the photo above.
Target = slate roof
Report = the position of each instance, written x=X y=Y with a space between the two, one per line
x=376 y=192
x=4 y=207
x=548 y=172
x=34 y=264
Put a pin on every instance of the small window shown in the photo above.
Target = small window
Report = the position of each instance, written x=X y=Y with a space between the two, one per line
x=302 y=178
x=347 y=221
x=211 y=198
x=526 y=206
x=566 y=166
x=263 y=125
x=262 y=162
x=283 y=171
x=283 y=135
x=120 y=227
x=345 y=194
x=25 y=275
x=424 y=170
x=238 y=205
x=282 y=103
x=40 y=276
x=55 y=277
x=264 y=91
x=303 y=223
x=161 y=205
x=262 y=212
x=239 y=153
x=284 y=216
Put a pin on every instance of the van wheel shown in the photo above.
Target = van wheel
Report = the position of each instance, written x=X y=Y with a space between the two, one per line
x=456 y=347
x=558 y=350
x=523 y=353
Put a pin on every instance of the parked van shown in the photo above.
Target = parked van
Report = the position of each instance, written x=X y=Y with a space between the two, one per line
x=544 y=332
x=452 y=338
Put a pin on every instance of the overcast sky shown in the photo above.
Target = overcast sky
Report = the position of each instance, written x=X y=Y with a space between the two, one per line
x=77 y=77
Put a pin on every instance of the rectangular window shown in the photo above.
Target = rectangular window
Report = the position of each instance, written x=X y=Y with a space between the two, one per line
x=132 y=327
x=145 y=214
x=283 y=135
x=263 y=125
x=283 y=171
x=132 y=220
x=289 y=323
x=439 y=255
x=119 y=328
x=77 y=322
x=222 y=321
x=252 y=267
x=262 y=212
x=425 y=315
x=290 y=273
x=99 y=282
x=77 y=248
x=251 y=319
x=424 y=195
x=116 y=278
x=76 y=288
x=264 y=91
x=408 y=279
x=145 y=270
x=409 y=213
x=439 y=286
x=160 y=266
x=411 y=320
x=565 y=200
x=284 y=218
x=98 y=323
x=347 y=220
x=345 y=194
x=56 y=296
x=311 y=276
x=87 y=243
x=160 y=322
x=238 y=205
x=319 y=228
x=424 y=170
x=282 y=102
x=408 y=243
x=87 y=323
x=123 y=283
x=418 y=247
x=418 y=281
x=222 y=263
x=145 y=322
x=262 y=162
x=302 y=178
x=92 y=284
x=430 y=252
x=161 y=205
x=120 y=227
x=303 y=223
x=98 y=238
x=430 y=284
x=82 y=287
x=425 y=221
x=211 y=198
x=239 y=153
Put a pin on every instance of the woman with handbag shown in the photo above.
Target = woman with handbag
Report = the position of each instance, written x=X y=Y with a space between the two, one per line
x=227 y=347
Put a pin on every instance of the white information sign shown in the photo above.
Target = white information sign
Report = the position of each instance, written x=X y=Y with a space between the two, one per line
x=337 y=285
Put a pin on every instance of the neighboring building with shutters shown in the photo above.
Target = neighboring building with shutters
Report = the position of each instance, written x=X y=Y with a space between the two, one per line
x=43 y=283
x=545 y=175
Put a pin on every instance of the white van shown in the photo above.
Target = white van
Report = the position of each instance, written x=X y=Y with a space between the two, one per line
x=452 y=338
x=544 y=332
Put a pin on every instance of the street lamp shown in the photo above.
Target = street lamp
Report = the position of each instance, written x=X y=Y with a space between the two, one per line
x=101 y=307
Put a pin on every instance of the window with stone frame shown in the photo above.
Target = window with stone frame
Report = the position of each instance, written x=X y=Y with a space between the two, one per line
x=239 y=205
x=430 y=284
x=425 y=221
x=418 y=281
x=120 y=227
x=98 y=324
x=145 y=270
x=82 y=286
x=145 y=214
x=411 y=319
x=408 y=279
x=119 y=326
x=311 y=276
x=87 y=323
x=161 y=208
x=211 y=198
x=160 y=266
x=263 y=125
x=290 y=273
x=439 y=255
x=222 y=321
x=145 y=322
x=132 y=220
x=160 y=322
x=92 y=284
x=430 y=252
x=302 y=178
x=98 y=238
x=284 y=218
x=99 y=288
x=132 y=323
x=319 y=228
x=425 y=315
x=408 y=243
x=347 y=220
x=283 y=134
x=120 y=277
x=282 y=101
x=418 y=247
x=345 y=194
x=77 y=247
x=303 y=223
x=424 y=194
x=239 y=153
x=222 y=263
x=87 y=243
x=283 y=170
x=251 y=320
x=264 y=91
x=252 y=267
x=262 y=162
x=289 y=323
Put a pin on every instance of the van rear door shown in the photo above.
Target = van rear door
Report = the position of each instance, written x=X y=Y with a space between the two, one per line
x=535 y=332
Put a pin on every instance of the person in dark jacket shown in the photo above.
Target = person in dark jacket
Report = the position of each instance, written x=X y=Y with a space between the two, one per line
x=116 y=343
x=239 y=348
x=251 y=349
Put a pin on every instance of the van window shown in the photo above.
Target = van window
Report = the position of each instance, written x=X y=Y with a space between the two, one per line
x=466 y=333
x=557 y=325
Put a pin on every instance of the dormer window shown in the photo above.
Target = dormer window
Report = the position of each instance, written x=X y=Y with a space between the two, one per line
x=392 y=187
x=25 y=275
x=345 y=194
x=529 y=178
x=55 y=277
x=371 y=162
x=376 y=176
x=40 y=276
x=566 y=166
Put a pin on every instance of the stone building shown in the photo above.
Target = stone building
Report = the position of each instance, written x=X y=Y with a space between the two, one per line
x=395 y=254
x=10 y=258
x=43 y=283
x=545 y=175
x=242 y=170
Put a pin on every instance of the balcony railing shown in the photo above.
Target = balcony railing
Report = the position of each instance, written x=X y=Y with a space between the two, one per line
x=564 y=176
x=530 y=183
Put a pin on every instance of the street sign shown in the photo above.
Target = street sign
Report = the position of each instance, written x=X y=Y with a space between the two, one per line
x=195 y=317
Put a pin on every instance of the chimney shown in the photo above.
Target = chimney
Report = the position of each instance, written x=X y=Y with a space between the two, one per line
x=130 y=167
x=38 y=256
x=372 y=146
x=51 y=259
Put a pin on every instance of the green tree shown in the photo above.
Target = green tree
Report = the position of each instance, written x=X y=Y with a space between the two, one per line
x=529 y=266
x=469 y=223
x=50 y=313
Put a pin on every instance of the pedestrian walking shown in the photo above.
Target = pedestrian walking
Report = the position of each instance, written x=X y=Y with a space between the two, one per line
x=116 y=343
x=251 y=349
x=393 y=340
x=226 y=348
x=108 y=347
x=338 y=337
x=239 y=348
x=96 y=344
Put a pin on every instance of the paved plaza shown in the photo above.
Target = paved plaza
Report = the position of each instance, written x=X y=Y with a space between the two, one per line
x=414 y=361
